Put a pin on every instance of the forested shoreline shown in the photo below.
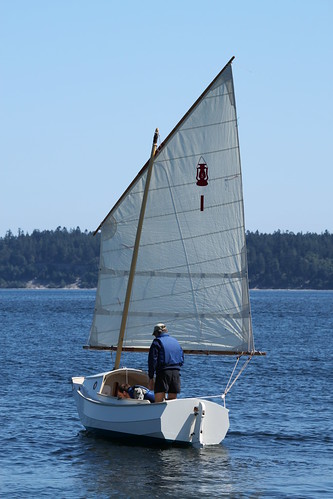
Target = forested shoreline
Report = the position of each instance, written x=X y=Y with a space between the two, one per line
x=69 y=258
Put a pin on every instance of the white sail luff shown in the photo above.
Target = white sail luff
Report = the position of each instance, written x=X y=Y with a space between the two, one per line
x=191 y=269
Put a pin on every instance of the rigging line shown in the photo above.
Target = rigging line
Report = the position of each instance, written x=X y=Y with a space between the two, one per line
x=232 y=372
x=229 y=386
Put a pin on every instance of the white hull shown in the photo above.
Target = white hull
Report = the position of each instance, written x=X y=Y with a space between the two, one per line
x=191 y=421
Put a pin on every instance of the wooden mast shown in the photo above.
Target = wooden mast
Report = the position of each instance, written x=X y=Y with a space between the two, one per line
x=135 y=253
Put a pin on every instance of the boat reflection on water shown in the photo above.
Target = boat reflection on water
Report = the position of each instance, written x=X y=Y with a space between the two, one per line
x=159 y=472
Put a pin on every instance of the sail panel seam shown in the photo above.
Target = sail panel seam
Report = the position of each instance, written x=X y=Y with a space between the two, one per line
x=218 y=123
x=225 y=178
x=183 y=212
x=177 y=315
x=195 y=155
x=170 y=241
x=178 y=294
x=157 y=273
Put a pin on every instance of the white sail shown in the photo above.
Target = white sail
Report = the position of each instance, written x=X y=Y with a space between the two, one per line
x=191 y=271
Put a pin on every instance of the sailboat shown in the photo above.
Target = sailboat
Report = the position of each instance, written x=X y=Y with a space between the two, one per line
x=173 y=250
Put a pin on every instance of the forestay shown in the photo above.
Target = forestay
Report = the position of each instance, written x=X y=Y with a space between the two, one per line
x=191 y=270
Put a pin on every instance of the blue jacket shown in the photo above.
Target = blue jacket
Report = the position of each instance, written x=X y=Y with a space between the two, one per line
x=165 y=353
x=147 y=394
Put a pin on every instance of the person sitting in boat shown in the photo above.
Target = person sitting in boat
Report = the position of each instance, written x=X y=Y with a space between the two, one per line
x=122 y=392
x=165 y=359
x=137 y=392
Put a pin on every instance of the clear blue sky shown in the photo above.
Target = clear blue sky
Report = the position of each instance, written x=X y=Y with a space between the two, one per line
x=83 y=85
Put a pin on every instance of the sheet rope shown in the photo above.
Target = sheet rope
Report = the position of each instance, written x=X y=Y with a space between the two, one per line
x=231 y=381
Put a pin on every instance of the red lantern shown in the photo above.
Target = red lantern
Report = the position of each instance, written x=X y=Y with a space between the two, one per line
x=202 y=174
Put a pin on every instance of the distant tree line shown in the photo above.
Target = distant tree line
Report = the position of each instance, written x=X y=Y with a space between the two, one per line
x=61 y=257
x=290 y=261
x=52 y=258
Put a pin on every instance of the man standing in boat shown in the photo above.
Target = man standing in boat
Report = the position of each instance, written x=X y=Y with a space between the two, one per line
x=165 y=359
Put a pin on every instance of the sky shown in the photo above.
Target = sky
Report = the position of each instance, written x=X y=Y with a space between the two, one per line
x=84 y=84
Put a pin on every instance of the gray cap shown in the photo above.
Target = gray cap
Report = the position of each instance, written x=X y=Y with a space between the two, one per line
x=158 y=328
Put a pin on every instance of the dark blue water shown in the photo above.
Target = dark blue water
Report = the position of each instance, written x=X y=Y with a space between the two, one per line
x=281 y=421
